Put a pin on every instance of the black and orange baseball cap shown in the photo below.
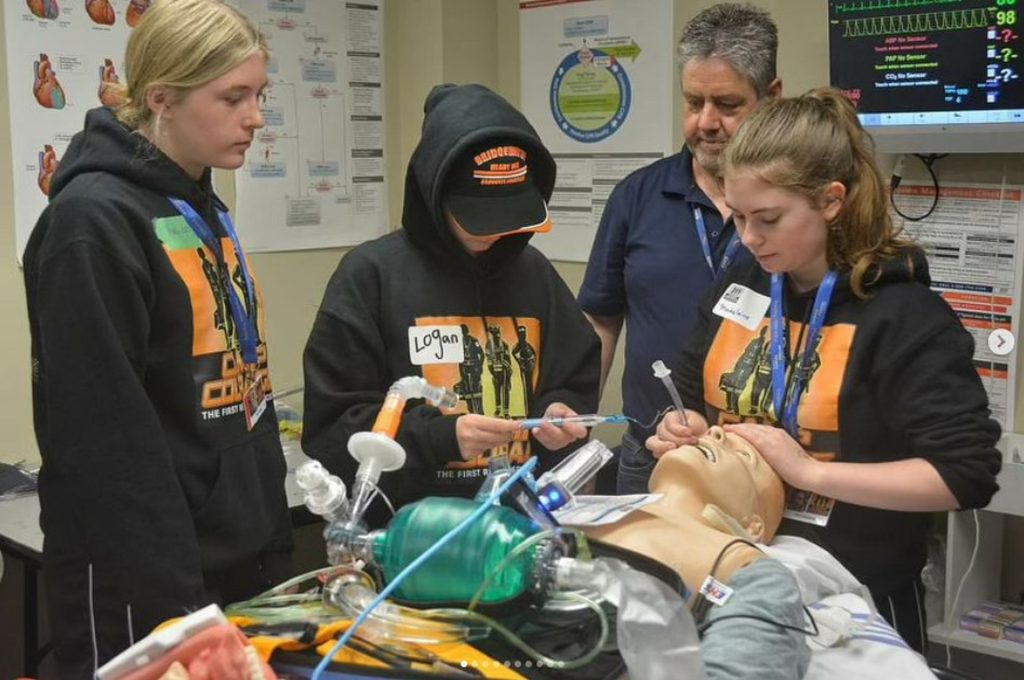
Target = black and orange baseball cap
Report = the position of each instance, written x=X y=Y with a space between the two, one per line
x=490 y=191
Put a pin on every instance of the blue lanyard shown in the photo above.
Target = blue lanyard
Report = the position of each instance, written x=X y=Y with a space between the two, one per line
x=787 y=412
x=245 y=325
x=705 y=244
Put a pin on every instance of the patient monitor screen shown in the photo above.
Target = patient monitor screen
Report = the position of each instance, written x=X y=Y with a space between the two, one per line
x=929 y=62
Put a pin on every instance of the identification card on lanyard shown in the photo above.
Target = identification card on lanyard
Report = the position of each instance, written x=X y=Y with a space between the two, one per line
x=803 y=506
x=254 y=398
x=705 y=244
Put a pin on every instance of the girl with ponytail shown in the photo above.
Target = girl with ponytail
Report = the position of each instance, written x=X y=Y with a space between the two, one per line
x=859 y=385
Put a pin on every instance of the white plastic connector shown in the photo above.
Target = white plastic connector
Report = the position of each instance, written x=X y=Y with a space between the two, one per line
x=325 y=494
x=415 y=387
x=661 y=371
x=571 y=573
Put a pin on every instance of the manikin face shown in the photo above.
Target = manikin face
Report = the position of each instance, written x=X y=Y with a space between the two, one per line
x=725 y=471
x=786 y=231
x=716 y=99
x=212 y=125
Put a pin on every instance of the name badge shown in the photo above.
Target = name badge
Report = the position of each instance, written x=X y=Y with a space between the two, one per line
x=808 y=507
x=742 y=305
x=254 y=401
x=435 y=345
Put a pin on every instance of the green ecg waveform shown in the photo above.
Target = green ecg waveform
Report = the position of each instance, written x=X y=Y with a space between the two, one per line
x=874 y=5
x=928 y=22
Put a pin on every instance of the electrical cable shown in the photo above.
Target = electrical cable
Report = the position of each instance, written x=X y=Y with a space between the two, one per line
x=963 y=579
x=810 y=633
x=701 y=605
x=897 y=177
x=415 y=564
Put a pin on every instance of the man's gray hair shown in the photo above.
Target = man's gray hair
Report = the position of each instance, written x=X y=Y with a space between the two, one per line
x=743 y=35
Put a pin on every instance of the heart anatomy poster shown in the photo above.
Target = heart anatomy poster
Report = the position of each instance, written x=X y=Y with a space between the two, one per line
x=63 y=58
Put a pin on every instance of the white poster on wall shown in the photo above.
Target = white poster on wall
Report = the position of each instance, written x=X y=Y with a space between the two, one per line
x=597 y=83
x=62 y=58
x=314 y=176
x=975 y=255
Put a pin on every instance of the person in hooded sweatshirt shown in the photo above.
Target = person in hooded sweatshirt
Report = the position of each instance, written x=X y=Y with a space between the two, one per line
x=160 y=493
x=459 y=297
x=876 y=415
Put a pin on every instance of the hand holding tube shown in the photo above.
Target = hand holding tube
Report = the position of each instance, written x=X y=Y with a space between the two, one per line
x=553 y=437
x=476 y=433
x=676 y=429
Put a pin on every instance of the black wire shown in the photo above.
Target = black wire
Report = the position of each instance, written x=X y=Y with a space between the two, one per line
x=718 y=560
x=702 y=604
x=811 y=633
x=928 y=160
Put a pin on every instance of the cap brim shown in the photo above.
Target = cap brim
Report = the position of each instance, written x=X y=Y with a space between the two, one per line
x=525 y=212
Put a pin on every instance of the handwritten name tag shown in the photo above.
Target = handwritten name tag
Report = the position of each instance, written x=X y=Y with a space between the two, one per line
x=435 y=345
x=742 y=305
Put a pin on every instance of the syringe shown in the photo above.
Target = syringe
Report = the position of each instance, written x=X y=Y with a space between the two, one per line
x=662 y=372
x=589 y=420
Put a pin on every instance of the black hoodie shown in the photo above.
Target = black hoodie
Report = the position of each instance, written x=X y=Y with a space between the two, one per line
x=893 y=378
x=508 y=309
x=149 y=473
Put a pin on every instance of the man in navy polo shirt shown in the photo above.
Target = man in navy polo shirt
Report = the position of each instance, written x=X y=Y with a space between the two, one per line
x=666 y=232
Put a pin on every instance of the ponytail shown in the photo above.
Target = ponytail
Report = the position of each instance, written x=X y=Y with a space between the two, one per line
x=804 y=144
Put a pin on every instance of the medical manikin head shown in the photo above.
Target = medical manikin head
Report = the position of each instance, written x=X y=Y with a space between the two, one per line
x=724 y=482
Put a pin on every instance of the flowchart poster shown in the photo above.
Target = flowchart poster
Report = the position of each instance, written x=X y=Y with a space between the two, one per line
x=597 y=84
x=975 y=258
x=314 y=176
x=62 y=58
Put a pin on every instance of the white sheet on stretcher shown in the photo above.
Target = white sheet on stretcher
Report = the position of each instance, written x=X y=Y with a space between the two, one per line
x=872 y=648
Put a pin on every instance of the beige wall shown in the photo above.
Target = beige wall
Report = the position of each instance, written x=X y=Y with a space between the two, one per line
x=426 y=42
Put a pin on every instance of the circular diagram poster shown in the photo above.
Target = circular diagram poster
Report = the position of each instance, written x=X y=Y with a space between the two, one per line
x=590 y=95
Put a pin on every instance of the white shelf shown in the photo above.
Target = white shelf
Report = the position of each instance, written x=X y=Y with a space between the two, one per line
x=983 y=582
x=1010 y=498
x=965 y=639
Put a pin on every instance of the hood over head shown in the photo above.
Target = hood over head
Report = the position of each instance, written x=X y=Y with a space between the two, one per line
x=479 y=158
x=106 y=145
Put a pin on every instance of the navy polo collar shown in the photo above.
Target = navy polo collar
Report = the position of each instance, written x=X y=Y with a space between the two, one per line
x=679 y=181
